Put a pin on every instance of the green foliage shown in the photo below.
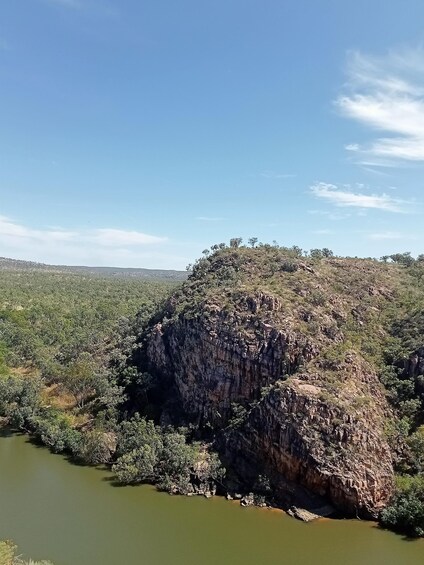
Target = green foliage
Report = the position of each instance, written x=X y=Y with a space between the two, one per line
x=4 y=370
x=416 y=444
x=79 y=378
x=8 y=556
x=397 y=431
x=76 y=335
x=238 y=415
x=288 y=266
x=236 y=242
x=137 y=466
x=50 y=320
x=19 y=399
x=148 y=453
x=95 y=447
x=405 y=513
x=7 y=553
x=321 y=253
x=404 y=259
x=54 y=430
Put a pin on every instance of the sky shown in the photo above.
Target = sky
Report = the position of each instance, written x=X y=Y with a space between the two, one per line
x=137 y=133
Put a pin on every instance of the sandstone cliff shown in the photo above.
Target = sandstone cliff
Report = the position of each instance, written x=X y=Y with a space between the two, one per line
x=274 y=357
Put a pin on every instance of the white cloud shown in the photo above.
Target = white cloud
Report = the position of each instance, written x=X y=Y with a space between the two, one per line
x=387 y=95
x=330 y=215
x=388 y=235
x=113 y=237
x=352 y=147
x=322 y=232
x=209 y=219
x=347 y=198
x=11 y=229
x=104 y=246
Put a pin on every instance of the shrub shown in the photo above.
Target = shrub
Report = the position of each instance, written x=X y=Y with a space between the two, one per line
x=54 y=430
x=147 y=453
x=19 y=399
x=405 y=513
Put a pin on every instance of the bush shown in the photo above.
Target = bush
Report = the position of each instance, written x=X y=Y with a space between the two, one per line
x=405 y=513
x=54 y=430
x=95 y=447
x=19 y=399
x=147 y=453
x=8 y=556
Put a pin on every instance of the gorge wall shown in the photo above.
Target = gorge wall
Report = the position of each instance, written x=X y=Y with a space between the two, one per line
x=266 y=361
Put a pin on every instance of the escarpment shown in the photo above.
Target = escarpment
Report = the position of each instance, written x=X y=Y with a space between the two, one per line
x=220 y=359
x=274 y=362
x=331 y=443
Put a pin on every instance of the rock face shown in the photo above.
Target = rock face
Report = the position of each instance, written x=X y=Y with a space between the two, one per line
x=414 y=366
x=214 y=363
x=336 y=450
x=314 y=428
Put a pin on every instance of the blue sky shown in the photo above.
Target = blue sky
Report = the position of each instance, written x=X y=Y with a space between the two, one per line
x=139 y=132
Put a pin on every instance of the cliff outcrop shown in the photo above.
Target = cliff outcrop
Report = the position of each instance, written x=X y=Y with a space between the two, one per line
x=273 y=355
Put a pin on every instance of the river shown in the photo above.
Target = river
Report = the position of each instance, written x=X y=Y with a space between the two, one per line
x=73 y=515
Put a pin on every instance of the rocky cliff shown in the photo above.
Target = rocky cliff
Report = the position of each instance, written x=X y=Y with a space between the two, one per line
x=274 y=354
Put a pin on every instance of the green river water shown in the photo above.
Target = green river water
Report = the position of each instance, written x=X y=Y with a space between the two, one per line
x=74 y=516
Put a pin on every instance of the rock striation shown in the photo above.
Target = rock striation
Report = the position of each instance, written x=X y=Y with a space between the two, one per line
x=259 y=367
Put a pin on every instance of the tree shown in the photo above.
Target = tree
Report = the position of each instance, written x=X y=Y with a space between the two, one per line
x=136 y=466
x=96 y=447
x=316 y=254
x=235 y=242
x=405 y=512
x=19 y=399
x=79 y=379
x=416 y=444
x=297 y=251
x=327 y=252
x=253 y=241
x=402 y=258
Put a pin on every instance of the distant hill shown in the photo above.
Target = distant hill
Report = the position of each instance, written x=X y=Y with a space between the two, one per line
x=148 y=274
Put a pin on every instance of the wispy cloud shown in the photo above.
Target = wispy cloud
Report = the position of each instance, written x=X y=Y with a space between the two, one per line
x=274 y=175
x=330 y=215
x=387 y=95
x=346 y=197
x=209 y=219
x=102 y=246
x=105 y=236
x=113 y=237
x=373 y=171
x=323 y=231
x=389 y=235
